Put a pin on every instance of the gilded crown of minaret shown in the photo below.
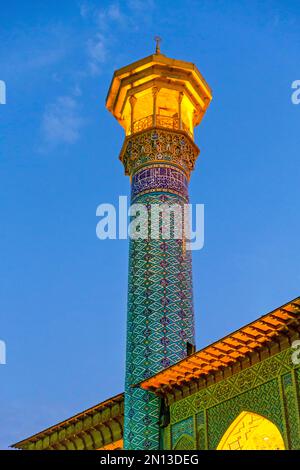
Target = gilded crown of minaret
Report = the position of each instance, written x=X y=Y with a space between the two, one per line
x=158 y=91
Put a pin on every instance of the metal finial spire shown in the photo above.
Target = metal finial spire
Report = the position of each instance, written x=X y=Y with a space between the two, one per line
x=157 y=39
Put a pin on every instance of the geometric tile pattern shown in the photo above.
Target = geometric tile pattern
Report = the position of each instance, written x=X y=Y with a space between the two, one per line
x=264 y=401
x=200 y=420
x=292 y=411
x=256 y=389
x=185 y=427
x=160 y=318
x=236 y=384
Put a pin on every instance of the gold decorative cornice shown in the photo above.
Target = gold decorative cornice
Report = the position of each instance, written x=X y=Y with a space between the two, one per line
x=95 y=428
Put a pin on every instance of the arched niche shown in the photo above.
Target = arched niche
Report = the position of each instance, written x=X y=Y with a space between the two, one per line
x=250 y=431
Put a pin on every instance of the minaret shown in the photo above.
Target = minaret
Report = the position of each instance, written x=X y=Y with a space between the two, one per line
x=158 y=101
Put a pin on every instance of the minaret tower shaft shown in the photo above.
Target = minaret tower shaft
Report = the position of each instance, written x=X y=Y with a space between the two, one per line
x=158 y=101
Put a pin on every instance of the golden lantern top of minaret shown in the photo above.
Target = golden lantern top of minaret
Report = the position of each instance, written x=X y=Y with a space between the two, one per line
x=158 y=92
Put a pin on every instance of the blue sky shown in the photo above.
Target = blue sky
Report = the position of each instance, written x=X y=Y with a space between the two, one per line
x=63 y=291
